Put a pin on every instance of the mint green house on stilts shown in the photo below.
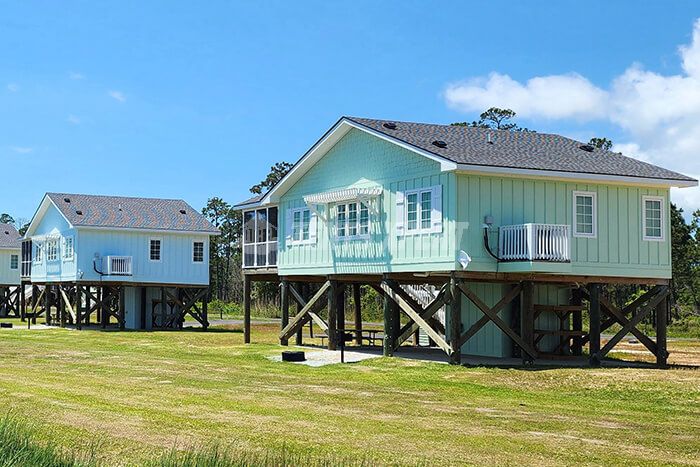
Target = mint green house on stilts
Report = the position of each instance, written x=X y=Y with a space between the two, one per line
x=482 y=242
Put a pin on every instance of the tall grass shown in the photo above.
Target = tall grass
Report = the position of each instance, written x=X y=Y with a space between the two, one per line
x=19 y=447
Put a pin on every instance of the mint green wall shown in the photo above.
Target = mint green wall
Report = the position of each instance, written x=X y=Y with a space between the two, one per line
x=362 y=160
x=618 y=250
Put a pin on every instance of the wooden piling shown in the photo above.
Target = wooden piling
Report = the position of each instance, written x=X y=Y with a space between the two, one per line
x=357 y=300
x=284 y=304
x=455 y=327
x=594 y=330
x=662 y=311
x=246 y=309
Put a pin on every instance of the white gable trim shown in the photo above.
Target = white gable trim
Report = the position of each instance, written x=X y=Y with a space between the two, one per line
x=327 y=141
x=39 y=214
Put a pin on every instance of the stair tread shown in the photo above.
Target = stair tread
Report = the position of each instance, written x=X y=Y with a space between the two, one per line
x=560 y=332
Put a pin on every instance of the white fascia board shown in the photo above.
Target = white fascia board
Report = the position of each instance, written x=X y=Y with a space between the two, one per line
x=156 y=231
x=575 y=176
x=322 y=146
x=41 y=210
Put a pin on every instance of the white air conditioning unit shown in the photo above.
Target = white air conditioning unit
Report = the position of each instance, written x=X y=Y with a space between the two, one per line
x=116 y=265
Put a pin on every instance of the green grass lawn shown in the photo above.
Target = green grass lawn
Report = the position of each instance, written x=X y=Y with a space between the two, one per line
x=131 y=396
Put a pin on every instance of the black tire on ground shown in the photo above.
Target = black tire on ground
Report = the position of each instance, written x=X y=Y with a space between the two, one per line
x=293 y=356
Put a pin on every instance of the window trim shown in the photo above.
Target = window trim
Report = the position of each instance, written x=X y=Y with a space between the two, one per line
x=38 y=253
x=204 y=250
x=419 y=212
x=358 y=211
x=290 y=235
x=662 y=202
x=160 y=249
x=65 y=248
x=14 y=255
x=594 y=213
x=58 y=251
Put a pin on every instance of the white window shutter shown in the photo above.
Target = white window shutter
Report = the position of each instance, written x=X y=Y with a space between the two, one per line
x=436 y=211
x=288 y=225
x=313 y=224
x=400 y=213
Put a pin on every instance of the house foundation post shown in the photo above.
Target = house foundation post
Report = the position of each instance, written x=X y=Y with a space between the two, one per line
x=122 y=308
x=284 y=304
x=527 y=318
x=391 y=324
x=357 y=301
x=246 y=309
x=594 y=330
x=301 y=287
x=576 y=323
x=22 y=303
x=47 y=304
x=455 y=327
x=79 y=306
x=662 y=311
x=333 y=316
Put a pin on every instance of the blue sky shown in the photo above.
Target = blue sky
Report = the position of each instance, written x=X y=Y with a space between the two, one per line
x=177 y=99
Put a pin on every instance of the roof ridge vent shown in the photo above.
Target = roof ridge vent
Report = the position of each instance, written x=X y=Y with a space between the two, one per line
x=389 y=125
x=440 y=143
x=586 y=147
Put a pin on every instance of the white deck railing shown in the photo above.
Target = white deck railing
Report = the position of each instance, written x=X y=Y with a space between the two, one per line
x=116 y=265
x=534 y=242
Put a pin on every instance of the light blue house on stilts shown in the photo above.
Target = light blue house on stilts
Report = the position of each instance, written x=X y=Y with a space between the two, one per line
x=140 y=263
x=485 y=242
x=10 y=246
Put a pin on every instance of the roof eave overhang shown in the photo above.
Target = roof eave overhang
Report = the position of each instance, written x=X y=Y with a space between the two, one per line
x=155 y=231
x=575 y=176
x=327 y=141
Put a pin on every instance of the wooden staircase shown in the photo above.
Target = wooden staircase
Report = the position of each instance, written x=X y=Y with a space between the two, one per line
x=568 y=334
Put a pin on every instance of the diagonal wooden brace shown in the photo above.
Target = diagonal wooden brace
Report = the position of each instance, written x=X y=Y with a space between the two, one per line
x=427 y=313
x=497 y=320
x=509 y=297
x=631 y=324
x=416 y=317
x=308 y=310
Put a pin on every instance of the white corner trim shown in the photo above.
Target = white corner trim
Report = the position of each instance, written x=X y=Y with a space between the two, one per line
x=594 y=205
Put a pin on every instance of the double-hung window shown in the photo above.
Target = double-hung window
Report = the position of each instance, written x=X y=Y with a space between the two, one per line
x=68 y=249
x=197 y=252
x=300 y=225
x=423 y=211
x=52 y=249
x=38 y=252
x=154 y=249
x=653 y=218
x=585 y=207
x=14 y=261
x=352 y=220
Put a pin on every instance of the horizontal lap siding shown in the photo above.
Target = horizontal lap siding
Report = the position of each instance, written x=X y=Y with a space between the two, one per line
x=618 y=250
x=362 y=160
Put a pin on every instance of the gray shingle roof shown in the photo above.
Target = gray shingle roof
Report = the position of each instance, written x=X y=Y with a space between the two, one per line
x=521 y=150
x=9 y=237
x=131 y=213
x=251 y=200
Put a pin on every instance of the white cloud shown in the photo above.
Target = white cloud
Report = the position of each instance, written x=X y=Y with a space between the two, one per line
x=74 y=75
x=556 y=96
x=659 y=114
x=73 y=119
x=117 y=95
x=13 y=87
x=22 y=149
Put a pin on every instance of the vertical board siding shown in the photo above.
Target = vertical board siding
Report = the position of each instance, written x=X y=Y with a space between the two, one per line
x=175 y=267
x=618 y=249
x=362 y=160
x=9 y=276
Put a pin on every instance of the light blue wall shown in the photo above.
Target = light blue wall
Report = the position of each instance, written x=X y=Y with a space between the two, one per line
x=9 y=276
x=54 y=224
x=176 y=265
